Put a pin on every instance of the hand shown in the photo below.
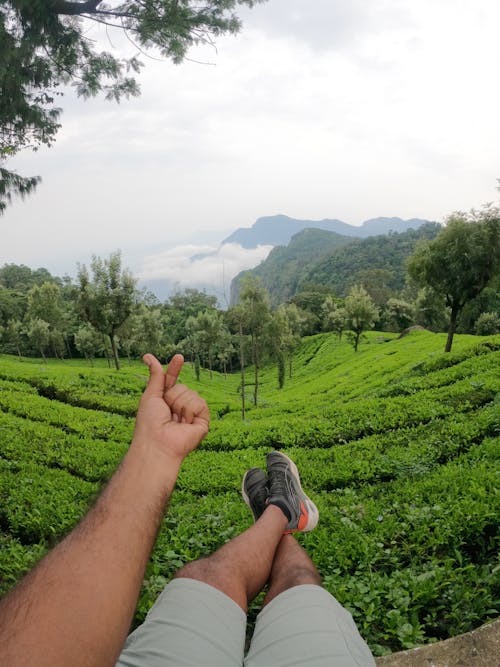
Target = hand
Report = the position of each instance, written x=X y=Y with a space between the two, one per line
x=171 y=418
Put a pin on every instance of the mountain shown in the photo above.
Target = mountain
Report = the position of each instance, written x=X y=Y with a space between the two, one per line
x=279 y=229
x=283 y=269
x=320 y=257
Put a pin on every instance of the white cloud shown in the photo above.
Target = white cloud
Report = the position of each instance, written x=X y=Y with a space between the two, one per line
x=202 y=267
x=347 y=109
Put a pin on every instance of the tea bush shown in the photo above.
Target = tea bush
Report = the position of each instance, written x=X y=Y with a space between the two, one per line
x=398 y=444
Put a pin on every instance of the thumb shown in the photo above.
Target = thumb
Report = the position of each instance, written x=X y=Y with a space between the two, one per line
x=156 y=382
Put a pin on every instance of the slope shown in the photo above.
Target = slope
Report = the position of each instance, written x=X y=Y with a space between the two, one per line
x=399 y=446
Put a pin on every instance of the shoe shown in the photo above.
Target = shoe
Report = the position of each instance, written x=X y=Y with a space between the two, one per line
x=254 y=491
x=286 y=493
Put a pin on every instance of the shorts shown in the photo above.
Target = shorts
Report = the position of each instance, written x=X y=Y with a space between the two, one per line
x=193 y=624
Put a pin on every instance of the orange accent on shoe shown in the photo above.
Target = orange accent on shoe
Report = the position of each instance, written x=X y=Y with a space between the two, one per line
x=304 y=517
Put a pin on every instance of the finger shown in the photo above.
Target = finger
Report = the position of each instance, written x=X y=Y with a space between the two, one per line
x=173 y=370
x=192 y=408
x=173 y=394
x=156 y=382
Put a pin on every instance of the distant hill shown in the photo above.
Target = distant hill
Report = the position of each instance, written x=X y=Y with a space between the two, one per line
x=279 y=229
x=346 y=266
x=325 y=258
x=284 y=268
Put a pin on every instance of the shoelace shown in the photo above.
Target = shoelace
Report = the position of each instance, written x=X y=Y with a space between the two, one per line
x=277 y=480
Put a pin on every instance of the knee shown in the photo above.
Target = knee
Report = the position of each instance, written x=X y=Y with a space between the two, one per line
x=299 y=575
x=197 y=569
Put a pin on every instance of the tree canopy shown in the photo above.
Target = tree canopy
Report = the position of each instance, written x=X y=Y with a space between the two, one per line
x=44 y=47
x=461 y=261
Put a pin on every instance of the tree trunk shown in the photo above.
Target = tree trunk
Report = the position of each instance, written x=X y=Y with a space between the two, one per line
x=256 y=370
x=290 y=361
x=242 y=370
x=356 y=340
x=451 y=328
x=115 y=351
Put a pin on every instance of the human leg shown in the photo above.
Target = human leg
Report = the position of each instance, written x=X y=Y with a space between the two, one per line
x=200 y=618
x=292 y=566
x=301 y=623
x=241 y=567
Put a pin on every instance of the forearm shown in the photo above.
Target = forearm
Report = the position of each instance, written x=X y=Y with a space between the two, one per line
x=76 y=606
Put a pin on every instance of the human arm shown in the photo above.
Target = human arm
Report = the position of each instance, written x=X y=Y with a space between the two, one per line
x=76 y=606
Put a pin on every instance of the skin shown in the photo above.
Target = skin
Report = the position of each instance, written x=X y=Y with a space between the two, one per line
x=95 y=573
x=59 y=614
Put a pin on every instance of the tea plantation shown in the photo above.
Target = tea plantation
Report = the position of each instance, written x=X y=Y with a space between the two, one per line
x=398 y=444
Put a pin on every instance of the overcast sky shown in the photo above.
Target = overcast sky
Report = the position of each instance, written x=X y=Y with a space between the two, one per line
x=346 y=109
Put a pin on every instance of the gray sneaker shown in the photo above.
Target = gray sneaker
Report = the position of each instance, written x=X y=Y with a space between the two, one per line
x=254 y=491
x=286 y=493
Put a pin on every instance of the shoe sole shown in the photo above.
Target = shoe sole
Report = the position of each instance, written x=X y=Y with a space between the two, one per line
x=312 y=510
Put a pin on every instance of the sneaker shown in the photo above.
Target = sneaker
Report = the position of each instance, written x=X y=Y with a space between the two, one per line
x=254 y=491
x=286 y=493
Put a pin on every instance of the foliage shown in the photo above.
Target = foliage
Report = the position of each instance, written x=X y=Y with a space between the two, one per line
x=285 y=266
x=398 y=444
x=488 y=324
x=399 y=313
x=461 y=261
x=360 y=313
x=44 y=45
x=106 y=300
x=349 y=265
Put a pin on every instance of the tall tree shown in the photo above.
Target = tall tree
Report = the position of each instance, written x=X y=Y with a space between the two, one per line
x=461 y=261
x=45 y=303
x=361 y=313
x=294 y=318
x=236 y=319
x=334 y=316
x=44 y=45
x=208 y=327
x=107 y=299
x=255 y=303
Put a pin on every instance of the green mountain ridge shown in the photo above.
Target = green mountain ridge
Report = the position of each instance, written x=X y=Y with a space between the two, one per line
x=325 y=258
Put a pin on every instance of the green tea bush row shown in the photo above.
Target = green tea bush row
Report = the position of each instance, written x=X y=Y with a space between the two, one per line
x=81 y=421
x=24 y=441
x=39 y=503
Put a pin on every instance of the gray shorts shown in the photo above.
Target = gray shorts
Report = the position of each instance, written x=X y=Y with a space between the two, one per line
x=193 y=624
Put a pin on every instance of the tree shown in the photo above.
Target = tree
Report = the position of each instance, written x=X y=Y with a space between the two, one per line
x=13 y=334
x=488 y=324
x=45 y=303
x=236 y=319
x=208 y=329
x=88 y=342
x=38 y=333
x=255 y=303
x=361 y=313
x=400 y=313
x=295 y=319
x=460 y=262
x=334 y=316
x=44 y=45
x=184 y=304
x=106 y=300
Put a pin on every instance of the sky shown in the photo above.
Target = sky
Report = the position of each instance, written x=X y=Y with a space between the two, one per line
x=347 y=109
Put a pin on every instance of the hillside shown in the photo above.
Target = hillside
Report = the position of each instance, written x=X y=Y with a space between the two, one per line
x=283 y=269
x=279 y=229
x=338 y=262
x=398 y=445
x=344 y=266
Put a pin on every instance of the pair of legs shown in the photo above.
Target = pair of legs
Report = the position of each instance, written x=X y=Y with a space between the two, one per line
x=261 y=554
x=200 y=618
